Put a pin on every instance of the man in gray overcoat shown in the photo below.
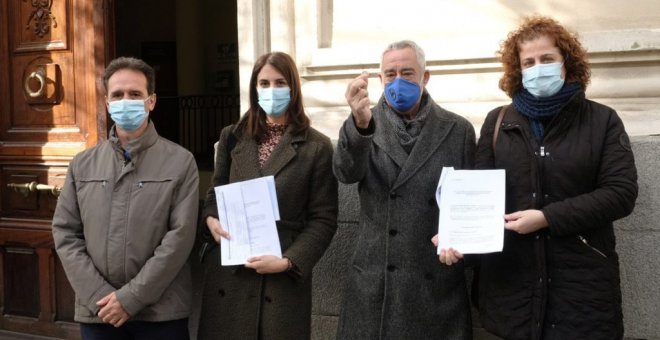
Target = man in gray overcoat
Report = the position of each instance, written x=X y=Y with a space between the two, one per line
x=396 y=288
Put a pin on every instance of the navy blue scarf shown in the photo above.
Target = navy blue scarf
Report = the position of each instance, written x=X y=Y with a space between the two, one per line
x=539 y=110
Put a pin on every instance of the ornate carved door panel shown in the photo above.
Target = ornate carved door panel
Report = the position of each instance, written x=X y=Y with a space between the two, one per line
x=51 y=54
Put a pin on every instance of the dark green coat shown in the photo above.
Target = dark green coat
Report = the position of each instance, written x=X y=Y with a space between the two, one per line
x=238 y=303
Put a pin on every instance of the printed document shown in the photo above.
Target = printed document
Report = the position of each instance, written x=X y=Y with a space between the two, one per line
x=248 y=211
x=471 y=206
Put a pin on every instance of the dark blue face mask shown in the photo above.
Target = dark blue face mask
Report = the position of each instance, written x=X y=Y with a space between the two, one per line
x=402 y=94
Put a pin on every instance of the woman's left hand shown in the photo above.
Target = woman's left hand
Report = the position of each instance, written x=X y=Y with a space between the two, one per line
x=525 y=221
x=267 y=264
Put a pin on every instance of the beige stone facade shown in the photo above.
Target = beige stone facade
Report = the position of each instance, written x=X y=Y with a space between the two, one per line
x=333 y=41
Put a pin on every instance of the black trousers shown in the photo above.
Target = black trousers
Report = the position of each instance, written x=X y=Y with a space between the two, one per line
x=137 y=330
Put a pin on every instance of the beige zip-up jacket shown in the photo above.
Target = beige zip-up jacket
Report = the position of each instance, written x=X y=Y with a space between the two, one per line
x=128 y=226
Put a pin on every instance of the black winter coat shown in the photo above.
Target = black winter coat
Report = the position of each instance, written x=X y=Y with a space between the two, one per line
x=561 y=282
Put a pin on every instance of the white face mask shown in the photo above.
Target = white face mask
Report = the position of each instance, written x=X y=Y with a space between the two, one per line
x=543 y=80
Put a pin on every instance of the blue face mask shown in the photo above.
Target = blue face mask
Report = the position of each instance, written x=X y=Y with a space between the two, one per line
x=274 y=101
x=402 y=94
x=128 y=114
x=543 y=80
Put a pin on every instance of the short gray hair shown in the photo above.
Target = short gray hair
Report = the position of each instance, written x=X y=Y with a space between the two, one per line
x=399 y=45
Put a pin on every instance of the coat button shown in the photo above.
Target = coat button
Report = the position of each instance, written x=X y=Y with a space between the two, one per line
x=428 y=276
x=392 y=195
x=221 y=292
x=391 y=268
x=393 y=232
x=268 y=299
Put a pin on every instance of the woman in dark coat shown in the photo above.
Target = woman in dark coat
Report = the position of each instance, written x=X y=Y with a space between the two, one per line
x=570 y=173
x=270 y=297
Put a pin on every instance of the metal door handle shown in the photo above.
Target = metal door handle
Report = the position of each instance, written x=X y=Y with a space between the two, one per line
x=26 y=188
x=42 y=84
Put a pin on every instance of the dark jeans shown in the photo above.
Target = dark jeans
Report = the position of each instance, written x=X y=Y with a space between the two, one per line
x=137 y=330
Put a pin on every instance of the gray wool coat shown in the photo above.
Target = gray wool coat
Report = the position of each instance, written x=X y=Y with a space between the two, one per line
x=239 y=303
x=396 y=287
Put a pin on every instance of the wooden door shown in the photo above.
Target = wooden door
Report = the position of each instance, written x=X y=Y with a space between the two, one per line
x=51 y=54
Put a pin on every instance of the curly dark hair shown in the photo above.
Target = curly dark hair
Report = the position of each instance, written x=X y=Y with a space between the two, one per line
x=532 y=27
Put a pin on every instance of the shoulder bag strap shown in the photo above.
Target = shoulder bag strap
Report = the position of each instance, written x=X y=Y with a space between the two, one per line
x=498 y=124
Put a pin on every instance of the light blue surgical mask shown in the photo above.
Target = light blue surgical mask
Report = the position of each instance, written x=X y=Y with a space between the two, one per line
x=274 y=100
x=128 y=114
x=402 y=94
x=543 y=80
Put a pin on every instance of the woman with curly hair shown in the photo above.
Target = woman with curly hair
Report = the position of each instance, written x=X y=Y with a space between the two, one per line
x=570 y=173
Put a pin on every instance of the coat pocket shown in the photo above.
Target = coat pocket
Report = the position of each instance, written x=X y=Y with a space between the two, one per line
x=157 y=193
x=90 y=184
x=152 y=201
x=594 y=249
x=92 y=192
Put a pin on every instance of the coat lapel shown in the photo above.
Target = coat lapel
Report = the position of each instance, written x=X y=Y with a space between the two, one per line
x=387 y=140
x=245 y=156
x=433 y=134
x=283 y=153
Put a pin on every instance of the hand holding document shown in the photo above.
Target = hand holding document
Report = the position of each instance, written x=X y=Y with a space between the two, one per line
x=471 y=206
x=248 y=211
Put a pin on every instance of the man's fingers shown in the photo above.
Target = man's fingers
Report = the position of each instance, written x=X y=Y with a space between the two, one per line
x=103 y=300
x=364 y=77
x=450 y=256
x=456 y=254
x=358 y=84
x=121 y=322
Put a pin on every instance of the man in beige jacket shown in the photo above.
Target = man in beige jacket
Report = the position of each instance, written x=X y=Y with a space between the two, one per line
x=125 y=220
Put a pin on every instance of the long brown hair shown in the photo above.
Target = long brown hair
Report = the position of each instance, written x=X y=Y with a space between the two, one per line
x=575 y=56
x=253 y=122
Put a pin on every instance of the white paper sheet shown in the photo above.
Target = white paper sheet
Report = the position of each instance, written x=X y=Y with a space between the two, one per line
x=471 y=206
x=248 y=211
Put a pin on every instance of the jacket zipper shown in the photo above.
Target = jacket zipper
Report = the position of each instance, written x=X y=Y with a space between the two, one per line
x=584 y=240
x=531 y=149
x=540 y=163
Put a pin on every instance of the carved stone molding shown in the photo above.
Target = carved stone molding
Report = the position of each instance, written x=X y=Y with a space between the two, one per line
x=42 y=16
